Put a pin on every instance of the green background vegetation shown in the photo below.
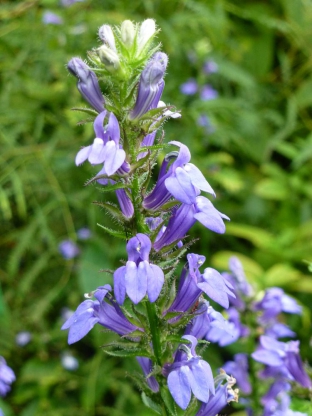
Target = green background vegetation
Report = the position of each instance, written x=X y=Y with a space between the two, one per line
x=258 y=160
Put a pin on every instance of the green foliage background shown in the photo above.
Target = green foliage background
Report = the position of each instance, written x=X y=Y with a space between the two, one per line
x=258 y=159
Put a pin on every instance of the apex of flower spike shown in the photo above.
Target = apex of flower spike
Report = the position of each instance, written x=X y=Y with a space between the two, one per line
x=127 y=31
x=107 y=36
x=146 y=32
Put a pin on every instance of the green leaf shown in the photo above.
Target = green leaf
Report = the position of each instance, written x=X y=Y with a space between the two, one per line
x=280 y=275
x=114 y=187
x=168 y=401
x=133 y=352
x=111 y=209
x=86 y=110
x=259 y=237
x=272 y=189
x=151 y=404
x=114 y=233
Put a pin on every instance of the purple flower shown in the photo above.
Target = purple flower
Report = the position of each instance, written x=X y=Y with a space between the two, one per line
x=88 y=84
x=91 y=312
x=184 y=217
x=211 y=325
x=23 y=338
x=204 y=121
x=193 y=283
x=208 y=93
x=68 y=249
x=188 y=292
x=283 y=357
x=224 y=394
x=139 y=276
x=274 y=302
x=190 y=87
x=151 y=85
x=147 y=367
x=84 y=233
x=239 y=369
x=278 y=330
x=183 y=180
x=7 y=377
x=190 y=374
x=216 y=287
x=279 y=406
x=107 y=36
x=50 y=18
x=105 y=147
x=222 y=331
x=210 y=67
x=238 y=280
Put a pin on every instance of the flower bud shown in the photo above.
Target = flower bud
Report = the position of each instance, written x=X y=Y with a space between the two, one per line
x=107 y=36
x=151 y=85
x=147 y=30
x=127 y=33
x=87 y=84
x=108 y=57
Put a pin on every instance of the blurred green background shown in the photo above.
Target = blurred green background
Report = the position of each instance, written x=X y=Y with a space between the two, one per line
x=254 y=145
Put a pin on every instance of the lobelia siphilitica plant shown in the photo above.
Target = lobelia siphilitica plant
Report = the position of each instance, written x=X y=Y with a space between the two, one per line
x=270 y=371
x=162 y=316
x=151 y=307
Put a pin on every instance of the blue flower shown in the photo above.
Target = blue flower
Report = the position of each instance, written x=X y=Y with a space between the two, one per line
x=239 y=369
x=88 y=84
x=147 y=367
x=190 y=375
x=7 y=377
x=50 y=18
x=91 y=312
x=190 y=87
x=274 y=302
x=224 y=394
x=208 y=93
x=283 y=358
x=68 y=249
x=151 y=85
x=105 y=147
x=138 y=277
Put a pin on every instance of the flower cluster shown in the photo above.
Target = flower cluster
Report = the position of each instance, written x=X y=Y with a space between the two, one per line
x=282 y=361
x=161 y=315
x=7 y=377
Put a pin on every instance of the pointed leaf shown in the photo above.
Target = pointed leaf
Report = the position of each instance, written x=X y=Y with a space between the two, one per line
x=114 y=233
x=151 y=404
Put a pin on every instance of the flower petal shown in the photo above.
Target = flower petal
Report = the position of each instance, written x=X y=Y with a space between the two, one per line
x=81 y=326
x=155 y=281
x=120 y=284
x=179 y=386
x=82 y=155
x=181 y=187
x=114 y=158
x=198 y=178
x=136 y=281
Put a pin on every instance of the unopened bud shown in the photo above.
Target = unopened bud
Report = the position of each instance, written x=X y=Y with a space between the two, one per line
x=127 y=32
x=147 y=30
x=107 y=36
x=87 y=84
x=108 y=57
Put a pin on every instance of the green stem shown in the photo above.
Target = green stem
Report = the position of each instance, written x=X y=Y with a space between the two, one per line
x=154 y=328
